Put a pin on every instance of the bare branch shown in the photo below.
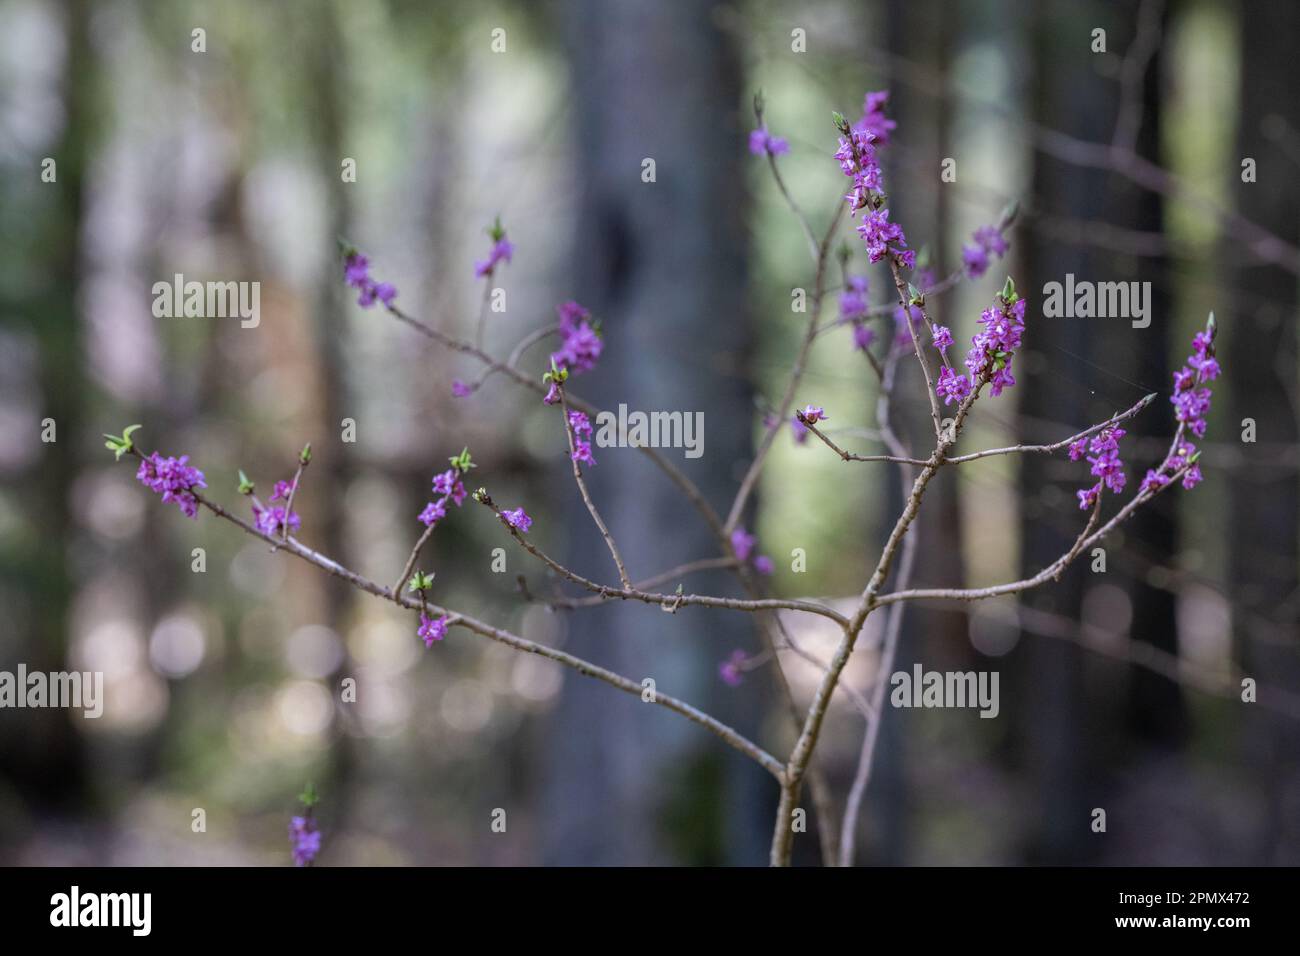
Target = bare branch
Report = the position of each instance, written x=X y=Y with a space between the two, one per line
x=586 y=499
x=663 y=600
x=715 y=726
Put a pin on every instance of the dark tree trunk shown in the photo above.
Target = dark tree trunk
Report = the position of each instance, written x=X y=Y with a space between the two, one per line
x=43 y=753
x=1259 y=354
x=662 y=265
x=1157 y=710
x=1058 y=372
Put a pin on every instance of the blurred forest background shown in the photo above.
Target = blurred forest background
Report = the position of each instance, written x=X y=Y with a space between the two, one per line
x=1119 y=690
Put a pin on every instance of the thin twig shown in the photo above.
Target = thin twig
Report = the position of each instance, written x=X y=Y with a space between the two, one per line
x=684 y=484
x=690 y=567
x=715 y=726
x=850 y=456
x=663 y=600
x=586 y=498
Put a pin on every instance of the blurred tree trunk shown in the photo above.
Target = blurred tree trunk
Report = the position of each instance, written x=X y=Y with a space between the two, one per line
x=1056 y=385
x=332 y=468
x=1157 y=709
x=662 y=265
x=1138 y=359
x=1259 y=359
x=43 y=757
x=919 y=33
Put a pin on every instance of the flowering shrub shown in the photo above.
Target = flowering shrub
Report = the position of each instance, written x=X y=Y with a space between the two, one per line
x=910 y=334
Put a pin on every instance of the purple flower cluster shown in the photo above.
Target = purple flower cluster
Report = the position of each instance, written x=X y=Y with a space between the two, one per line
x=1183 y=454
x=883 y=237
x=853 y=300
x=502 y=250
x=305 y=839
x=433 y=512
x=761 y=141
x=446 y=485
x=356 y=271
x=580 y=343
x=874 y=120
x=731 y=669
x=271 y=519
x=857 y=158
x=518 y=519
x=1102 y=451
x=742 y=543
x=812 y=414
x=460 y=389
x=1191 y=401
x=580 y=425
x=942 y=338
x=432 y=629
x=855 y=308
x=951 y=387
x=991 y=351
x=989 y=241
x=173 y=478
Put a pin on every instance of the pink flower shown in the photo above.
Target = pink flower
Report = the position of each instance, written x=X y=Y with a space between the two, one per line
x=433 y=512
x=271 y=521
x=730 y=669
x=518 y=519
x=952 y=387
x=356 y=272
x=580 y=423
x=761 y=141
x=449 y=485
x=305 y=838
x=942 y=338
x=742 y=542
x=580 y=345
x=502 y=251
x=432 y=629
x=1088 y=496
x=172 y=478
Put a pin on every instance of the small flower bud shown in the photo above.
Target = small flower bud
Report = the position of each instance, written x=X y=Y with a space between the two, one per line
x=462 y=462
x=1009 y=292
x=121 y=444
